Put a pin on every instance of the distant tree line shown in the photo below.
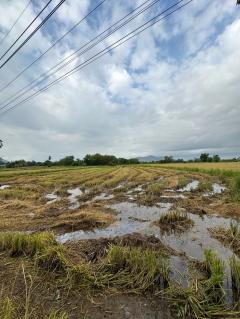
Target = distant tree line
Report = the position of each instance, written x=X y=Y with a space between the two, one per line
x=203 y=158
x=98 y=159
x=88 y=160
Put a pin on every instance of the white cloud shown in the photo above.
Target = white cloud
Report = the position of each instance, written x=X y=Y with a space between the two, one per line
x=174 y=89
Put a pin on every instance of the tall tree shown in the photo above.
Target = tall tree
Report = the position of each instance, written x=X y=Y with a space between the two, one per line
x=1 y=143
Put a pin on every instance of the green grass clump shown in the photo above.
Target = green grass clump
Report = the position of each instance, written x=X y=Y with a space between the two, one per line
x=42 y=246
x=155 y=189
x=235 y=273
x=52 y=257
x=205 y=186
x=213 y=286
x=187 y=302
x=84 y=275
x=17 y=243
x=136 y=270
x=175 y=219
x=192 y=302
x=183 y=181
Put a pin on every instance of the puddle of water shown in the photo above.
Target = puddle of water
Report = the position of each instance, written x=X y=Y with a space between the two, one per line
x=102 y=196
x=189 y=187
x=138 y=189
x=74 y=193
x=193 y=243
x=179 y=270
x=128 y=222
x=51 y=197
x=133 y=218
x=173 y=196
x=119 y=185
x=4 y=187
x=216 y=189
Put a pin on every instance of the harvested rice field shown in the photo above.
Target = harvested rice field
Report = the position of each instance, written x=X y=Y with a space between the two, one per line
x=143 y=241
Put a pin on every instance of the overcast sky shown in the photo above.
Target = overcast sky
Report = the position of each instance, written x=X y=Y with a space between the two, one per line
x=173 y=90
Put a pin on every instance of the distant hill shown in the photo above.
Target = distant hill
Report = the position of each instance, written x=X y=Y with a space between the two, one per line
x=2 y=161
x=150 y=158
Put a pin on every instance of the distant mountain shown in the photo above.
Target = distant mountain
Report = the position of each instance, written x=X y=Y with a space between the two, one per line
x=150 y=158
x=2 y=161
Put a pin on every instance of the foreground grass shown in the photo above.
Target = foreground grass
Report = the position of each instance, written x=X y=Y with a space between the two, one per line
x=123 y=269
x=203 y=298
x=9 y=310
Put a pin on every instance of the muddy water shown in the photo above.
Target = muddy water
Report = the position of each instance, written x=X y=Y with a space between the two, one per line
x=189 y=187
x=216 y=189
x=132 y=218
x=73 y=197
x=4 y=187
x=102 y=196
x=51 y=197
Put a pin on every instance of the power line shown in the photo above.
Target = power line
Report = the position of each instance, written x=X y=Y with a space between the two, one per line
x=15 y=22
x=108 y=49
x=34 y=31
x=101 y=53
x=45 y=52
x=25 y=30
x=47 y=74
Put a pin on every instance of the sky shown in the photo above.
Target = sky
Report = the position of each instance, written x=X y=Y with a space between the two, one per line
x=172 y=90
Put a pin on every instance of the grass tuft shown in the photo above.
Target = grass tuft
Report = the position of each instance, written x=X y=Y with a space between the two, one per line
x=186 y=302
x=228 y=236
x=52 y=258
x=213 y=286
x=174 y=220
x=155 y=189
x=235 y=273
x=136 y=270
x=205 y=186
x=17 y=243
x=82 y=274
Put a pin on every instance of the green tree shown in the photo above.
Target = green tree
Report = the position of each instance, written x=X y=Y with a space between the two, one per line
x=204 y=157
x=168 y=159
x=1 y=143
x=216 y=158
x=67 y=161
